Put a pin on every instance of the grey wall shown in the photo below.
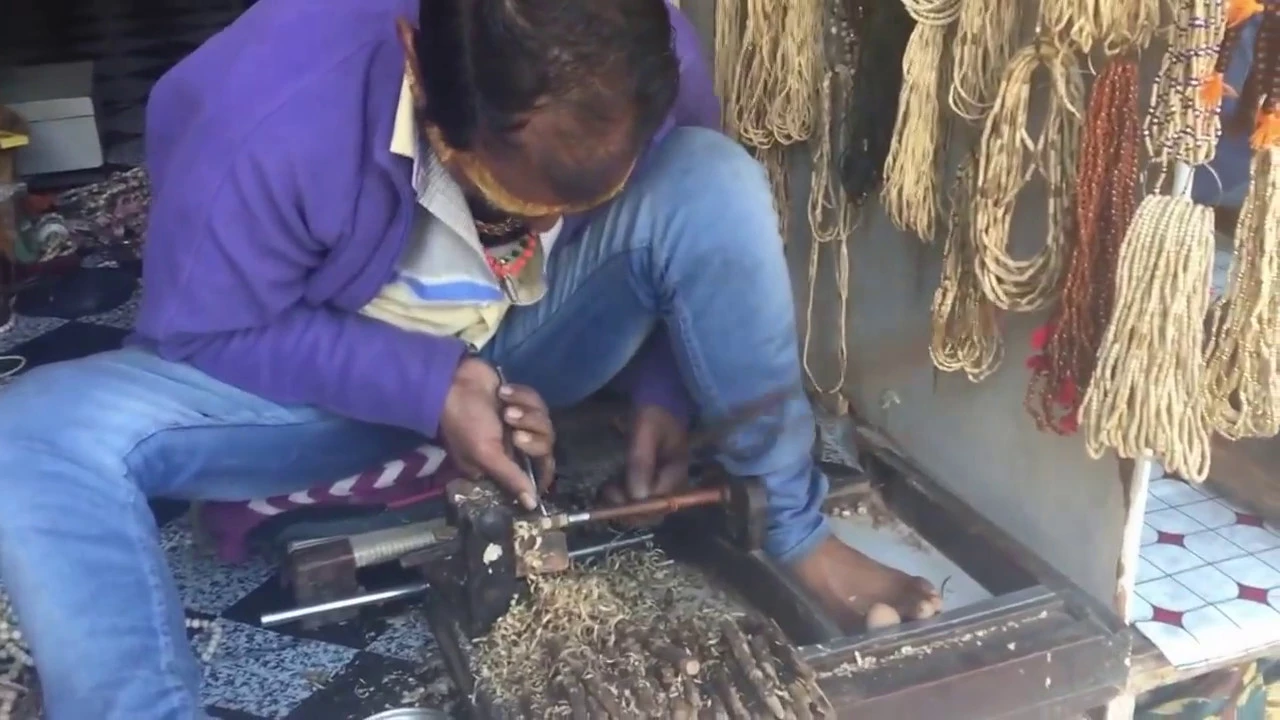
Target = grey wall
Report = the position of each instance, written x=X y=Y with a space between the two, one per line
x=975 y=439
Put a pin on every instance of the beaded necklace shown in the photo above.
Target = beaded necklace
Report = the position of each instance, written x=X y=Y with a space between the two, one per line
x=1242 y=384
x=509 y=261
x=1179 y=127
x=1106 y=198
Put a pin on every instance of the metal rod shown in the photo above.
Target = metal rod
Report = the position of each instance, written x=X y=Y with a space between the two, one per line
x=640 y=539
x=656 y=506
x=283 y=617
x=380 y=596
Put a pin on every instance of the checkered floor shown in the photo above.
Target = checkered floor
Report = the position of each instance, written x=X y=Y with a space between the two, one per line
x=352 y=670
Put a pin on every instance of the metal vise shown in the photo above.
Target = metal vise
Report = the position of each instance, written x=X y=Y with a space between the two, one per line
x=475 y=553
x=480 y=577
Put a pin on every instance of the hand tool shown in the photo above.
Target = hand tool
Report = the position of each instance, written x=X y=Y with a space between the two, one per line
x=521 y=457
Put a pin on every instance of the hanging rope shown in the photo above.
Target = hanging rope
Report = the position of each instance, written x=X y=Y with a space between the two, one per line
x=1125 y=26
x=1179 y=126
x=1242 y=377
x=883 y=30
x=986 y=38
x=1146 y=389
x=1106 y=198
x=910 y=194
x=767 y=67
x=1073 y=22
x=831 y=215
x=965 y=336
x=831 y=218
x=1009 y=157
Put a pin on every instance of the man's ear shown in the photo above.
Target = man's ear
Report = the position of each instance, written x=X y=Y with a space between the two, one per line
x=407 y=36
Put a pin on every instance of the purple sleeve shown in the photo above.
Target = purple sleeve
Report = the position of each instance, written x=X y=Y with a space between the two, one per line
x=696 y=103
x=226 y=292
x=653 y=377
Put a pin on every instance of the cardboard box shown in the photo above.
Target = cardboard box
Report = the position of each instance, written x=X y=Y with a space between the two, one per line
x=57 y=103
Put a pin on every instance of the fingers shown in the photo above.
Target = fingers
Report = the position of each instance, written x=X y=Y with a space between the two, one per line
x=527 y=414
x=673 y=477
x=642 y=462
x=493 y=462
x=613 y=494
x=545 y=466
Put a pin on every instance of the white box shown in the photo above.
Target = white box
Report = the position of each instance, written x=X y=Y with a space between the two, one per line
x=57 y=102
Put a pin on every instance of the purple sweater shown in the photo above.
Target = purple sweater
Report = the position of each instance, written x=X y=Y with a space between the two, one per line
x=278 y=211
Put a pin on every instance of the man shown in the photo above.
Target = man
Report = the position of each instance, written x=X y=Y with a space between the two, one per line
x=360 y=211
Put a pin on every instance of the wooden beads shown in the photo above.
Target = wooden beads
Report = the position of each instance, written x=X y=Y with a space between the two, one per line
x=1106 y=198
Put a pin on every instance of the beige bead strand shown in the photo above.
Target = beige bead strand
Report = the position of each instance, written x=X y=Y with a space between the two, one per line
x=910 y=193
x=965 y=335
x=1242 y=374
x=831 y=221
x=987 y=36
x=1009 y=158
x=1127 y=25
x=1072 y=22
x=1178 y=127
x=1146 y=391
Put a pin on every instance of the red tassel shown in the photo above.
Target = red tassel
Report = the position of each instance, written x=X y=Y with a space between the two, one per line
x=1266 y=134
x=1212 y=88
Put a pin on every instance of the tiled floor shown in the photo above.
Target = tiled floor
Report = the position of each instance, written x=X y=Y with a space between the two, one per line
x=1208 y=585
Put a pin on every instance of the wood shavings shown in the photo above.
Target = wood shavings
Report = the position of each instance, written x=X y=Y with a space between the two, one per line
x=637 y=635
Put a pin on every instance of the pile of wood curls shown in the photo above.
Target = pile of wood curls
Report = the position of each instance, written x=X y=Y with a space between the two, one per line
x=1106 y=199
x=639 y=636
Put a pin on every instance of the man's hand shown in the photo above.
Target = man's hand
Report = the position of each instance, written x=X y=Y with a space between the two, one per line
x=472 y=427
x=658 y=460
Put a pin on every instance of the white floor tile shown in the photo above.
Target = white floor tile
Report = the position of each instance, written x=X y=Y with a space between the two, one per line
x=1173 y=521
x=1251 y=538
x=1211 y=546
x=1210 y=513
x=1169 y=594
x=1175 y=492
x=1171 y=558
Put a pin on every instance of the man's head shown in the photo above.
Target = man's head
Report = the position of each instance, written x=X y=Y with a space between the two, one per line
x=541 y=107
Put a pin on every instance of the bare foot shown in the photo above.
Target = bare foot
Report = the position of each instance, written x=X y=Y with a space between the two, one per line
x=860 y=592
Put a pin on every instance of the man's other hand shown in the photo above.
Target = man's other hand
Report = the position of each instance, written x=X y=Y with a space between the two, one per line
x=657 y=461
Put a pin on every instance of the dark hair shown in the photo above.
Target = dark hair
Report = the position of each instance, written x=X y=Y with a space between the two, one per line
x=606 y=71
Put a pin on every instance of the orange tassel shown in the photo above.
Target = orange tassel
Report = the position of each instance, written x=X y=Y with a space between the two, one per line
x=1266 y=133
x=1212 y=88
x=1239 y=11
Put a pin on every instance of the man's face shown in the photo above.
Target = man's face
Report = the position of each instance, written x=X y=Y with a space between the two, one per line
x=503 y=174
x=508 y=180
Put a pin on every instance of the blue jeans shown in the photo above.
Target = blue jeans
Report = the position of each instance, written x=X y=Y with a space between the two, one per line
x=692 y=244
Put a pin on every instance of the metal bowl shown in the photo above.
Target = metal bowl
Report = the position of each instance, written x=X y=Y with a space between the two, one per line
x=411 y=714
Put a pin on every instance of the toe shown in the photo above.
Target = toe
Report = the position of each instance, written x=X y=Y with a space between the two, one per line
x=881 y=615
x=921 y=600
